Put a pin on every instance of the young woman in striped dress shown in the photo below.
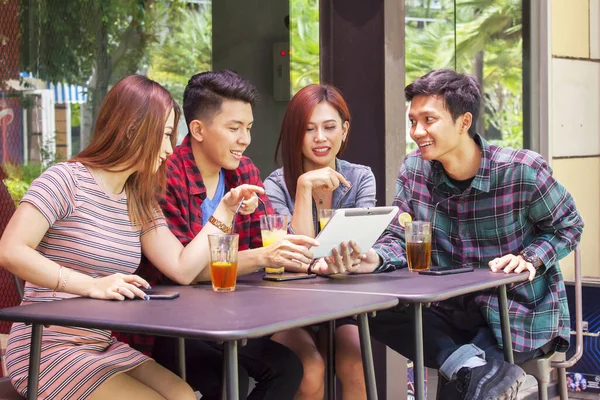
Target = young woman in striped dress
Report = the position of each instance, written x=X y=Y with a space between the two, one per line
x=80 y=231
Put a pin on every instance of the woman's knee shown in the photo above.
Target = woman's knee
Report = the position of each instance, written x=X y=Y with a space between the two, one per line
x=314 y=374
x=350 y=369
x=180 y=390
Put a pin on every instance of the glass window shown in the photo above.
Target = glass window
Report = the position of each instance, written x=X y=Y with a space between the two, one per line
x=304 y=43
x=59 y=59
x=482 y=38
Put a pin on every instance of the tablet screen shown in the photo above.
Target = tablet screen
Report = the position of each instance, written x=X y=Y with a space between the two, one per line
x=362 y=225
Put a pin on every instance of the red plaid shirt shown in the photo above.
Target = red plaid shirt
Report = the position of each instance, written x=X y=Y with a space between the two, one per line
x=183 y=212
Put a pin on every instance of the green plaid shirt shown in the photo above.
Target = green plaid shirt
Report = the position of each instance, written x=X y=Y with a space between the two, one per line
x=513 y=203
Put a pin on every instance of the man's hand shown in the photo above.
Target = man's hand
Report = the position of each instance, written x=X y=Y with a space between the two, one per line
x=511 y=263
x=245 y=192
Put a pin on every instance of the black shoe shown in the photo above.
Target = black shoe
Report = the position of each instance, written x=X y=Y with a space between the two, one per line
x=496 y=380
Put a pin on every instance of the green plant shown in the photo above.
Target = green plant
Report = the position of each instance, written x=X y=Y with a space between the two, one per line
x=184 y=51
x=19 y=178
x=488 y=45
x=304 y=43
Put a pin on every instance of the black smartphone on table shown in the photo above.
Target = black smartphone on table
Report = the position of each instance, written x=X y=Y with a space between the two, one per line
x=288 y=276
x=446 y=270
x=160 y=295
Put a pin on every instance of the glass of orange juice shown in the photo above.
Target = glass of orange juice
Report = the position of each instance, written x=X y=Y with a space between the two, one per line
x=223 y=261
x=324 y=216
x=272 y=228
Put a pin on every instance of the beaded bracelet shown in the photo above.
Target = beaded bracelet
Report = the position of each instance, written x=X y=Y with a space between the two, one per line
x=67 y=275
x=58 y=281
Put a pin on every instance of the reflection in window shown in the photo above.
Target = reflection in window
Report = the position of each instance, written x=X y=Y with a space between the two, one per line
x=482 y=38
x=304 y=43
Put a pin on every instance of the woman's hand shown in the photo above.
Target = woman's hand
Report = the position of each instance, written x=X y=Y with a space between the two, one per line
x=291 y=251
x=326 y=178
x=244 y=192
x=118 y=287
x=350 y=260
x=347 y=259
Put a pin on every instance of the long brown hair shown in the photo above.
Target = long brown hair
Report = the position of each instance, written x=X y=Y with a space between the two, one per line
x=293 y=128
x=129 y=132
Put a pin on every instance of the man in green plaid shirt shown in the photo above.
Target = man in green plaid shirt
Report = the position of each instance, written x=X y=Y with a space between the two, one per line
x=490 y=207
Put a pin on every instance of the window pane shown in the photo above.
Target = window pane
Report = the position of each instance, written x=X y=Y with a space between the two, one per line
x=59 y=59
x=304 y=43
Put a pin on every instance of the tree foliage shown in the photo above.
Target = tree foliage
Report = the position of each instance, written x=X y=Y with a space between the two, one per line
x=185 y=50
x=304 y=43
x=489 y=29
x=91 y=43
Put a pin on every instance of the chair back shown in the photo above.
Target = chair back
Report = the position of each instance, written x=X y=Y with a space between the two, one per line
x=578 y=317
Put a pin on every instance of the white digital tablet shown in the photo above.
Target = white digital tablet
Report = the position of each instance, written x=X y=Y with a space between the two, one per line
x=362 y=225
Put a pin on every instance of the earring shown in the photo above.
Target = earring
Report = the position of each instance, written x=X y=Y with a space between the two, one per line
x=343 y=140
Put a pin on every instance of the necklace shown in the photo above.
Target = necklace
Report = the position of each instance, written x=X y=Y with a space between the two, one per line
x=320 y=198
x=101 y=180
x=103 y=186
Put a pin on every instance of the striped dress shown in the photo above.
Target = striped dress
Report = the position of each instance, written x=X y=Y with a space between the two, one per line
x=90 y=232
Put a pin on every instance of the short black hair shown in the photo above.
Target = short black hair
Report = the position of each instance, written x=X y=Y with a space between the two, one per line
x=460 y=92
x=204 y=93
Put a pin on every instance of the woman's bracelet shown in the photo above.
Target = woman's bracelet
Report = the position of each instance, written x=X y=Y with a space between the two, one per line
x=58 y=281
x=67 y=275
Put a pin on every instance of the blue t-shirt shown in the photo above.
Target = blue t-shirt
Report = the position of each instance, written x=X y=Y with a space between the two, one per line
x=209 y=205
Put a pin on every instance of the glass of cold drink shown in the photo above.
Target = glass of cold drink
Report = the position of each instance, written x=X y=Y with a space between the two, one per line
x=324 y=216
x=418 y=245
x=272 y=228
x=223 y=261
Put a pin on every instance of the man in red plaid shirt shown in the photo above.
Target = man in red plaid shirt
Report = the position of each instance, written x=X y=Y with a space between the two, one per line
x=209 y=162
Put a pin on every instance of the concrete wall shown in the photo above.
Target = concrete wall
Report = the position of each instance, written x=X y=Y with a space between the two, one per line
x=575 y=116
x=243 y=36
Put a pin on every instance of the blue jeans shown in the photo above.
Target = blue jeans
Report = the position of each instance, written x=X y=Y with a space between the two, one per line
x=451 y=335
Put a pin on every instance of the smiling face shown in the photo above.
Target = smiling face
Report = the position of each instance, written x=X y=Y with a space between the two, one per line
x=437 y=136
x=166 y=148
x=223 y=140
x=323 y=138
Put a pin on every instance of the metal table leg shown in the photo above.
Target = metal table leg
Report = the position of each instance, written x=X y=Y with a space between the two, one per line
x=330 y=362
x=34 y=361
x=231 y=366
x=367 y=356
x=181 y=352
x=419 y=362
x=224 y=379
x=505 y=325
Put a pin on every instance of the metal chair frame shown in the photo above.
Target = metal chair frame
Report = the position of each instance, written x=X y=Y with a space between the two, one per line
x=541 y=367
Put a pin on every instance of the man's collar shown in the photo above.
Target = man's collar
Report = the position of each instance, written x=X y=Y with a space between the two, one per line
x=481 y=181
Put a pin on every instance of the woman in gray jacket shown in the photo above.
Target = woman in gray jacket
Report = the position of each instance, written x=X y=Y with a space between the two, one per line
x=314 y=132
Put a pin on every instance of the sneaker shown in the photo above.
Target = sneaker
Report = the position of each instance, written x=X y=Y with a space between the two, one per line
x=496 y=380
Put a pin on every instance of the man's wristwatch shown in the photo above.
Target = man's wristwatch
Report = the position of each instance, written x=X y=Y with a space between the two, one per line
x=531 y=257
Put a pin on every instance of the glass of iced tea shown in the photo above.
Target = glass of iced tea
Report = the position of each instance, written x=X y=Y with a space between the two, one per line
x=272 y=228
x=418 y=245
x=223 y=261
x=324 y=216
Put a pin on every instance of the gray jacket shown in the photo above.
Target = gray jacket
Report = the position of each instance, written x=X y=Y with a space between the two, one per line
x=360 y=195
